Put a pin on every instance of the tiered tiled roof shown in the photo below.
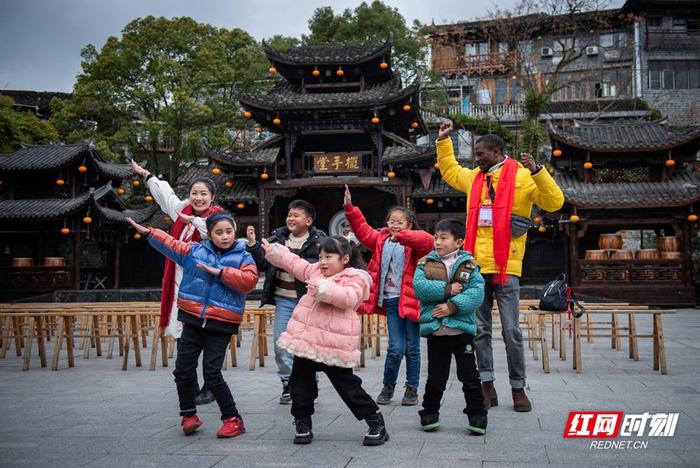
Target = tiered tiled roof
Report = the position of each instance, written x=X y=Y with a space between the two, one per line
x=437 y=188
x=330 y=54
x=255 y=157
x=47 y=209
x=624 y=137
x=288 y=96
x=682 y=189
x=52 y=157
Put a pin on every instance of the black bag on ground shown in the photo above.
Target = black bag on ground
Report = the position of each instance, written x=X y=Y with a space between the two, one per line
x=558 y=297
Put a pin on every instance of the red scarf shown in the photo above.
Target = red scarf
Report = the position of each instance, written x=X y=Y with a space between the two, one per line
x=168 y=296
x=502 y=208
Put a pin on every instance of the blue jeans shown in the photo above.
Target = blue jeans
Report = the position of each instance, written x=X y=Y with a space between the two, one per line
x=404 y=340
x=283 y=312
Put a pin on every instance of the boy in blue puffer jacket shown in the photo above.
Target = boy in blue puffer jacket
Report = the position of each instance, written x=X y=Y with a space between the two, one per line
x=217 y=274
x=450 y=288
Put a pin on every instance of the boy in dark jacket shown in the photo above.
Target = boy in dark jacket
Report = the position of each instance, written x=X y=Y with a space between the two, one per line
x=281 y=288
x=450 y=288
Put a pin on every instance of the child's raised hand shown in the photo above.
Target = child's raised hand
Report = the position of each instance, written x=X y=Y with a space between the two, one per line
x=454 y=288
x=347 y=199
x=186 y=218
x=265 y=245
x=208 y=269
x=137 y=226
x=250 y=234
x=441 y=310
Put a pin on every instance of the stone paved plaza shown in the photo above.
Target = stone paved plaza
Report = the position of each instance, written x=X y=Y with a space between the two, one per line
x=97 y=415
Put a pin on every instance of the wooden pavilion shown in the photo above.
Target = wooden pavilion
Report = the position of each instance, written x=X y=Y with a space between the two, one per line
x=63 y=220
x=634 y=178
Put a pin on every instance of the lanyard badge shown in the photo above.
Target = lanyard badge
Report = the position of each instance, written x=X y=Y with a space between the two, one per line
x=486 y=209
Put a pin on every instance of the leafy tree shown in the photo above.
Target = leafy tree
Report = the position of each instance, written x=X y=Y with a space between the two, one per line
x=372 y=23
x=21 y=127
x=164 y=79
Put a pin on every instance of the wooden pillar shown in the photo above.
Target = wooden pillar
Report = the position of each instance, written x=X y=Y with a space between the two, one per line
x=573 y=254
x=687 y=255
x=117 y=255
x=76 y=259
x=262 y=211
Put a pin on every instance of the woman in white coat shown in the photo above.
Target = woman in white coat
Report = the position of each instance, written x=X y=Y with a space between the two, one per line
x=189 y=226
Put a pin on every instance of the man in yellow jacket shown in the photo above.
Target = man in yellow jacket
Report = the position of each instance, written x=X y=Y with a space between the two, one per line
x=532 y=184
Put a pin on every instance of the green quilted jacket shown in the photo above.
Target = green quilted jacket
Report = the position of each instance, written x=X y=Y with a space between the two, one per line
x=430 y=284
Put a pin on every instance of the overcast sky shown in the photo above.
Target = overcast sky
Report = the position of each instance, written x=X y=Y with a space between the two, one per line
x=40 y=40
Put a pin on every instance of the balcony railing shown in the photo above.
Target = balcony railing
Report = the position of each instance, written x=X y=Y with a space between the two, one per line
x=472 y=64
x=672 y=41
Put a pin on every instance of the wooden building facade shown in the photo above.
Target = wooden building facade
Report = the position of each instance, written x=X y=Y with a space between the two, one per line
x=631 y=180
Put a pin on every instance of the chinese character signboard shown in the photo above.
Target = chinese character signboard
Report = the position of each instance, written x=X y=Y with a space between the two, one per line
x=331 y=163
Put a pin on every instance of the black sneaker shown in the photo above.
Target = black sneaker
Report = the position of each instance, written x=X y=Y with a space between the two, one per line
x=477 y=423
x=303 y=434
x=204 y=396
x=429 y=421
x=386 y=394
x=286 y=397
x=410 y=396
x=377 y=434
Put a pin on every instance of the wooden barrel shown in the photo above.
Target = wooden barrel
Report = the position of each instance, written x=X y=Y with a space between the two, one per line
x=22 y=262
x=596 y=255
x=669 y=244
x=621 y=255
x=671 y=255
x=610 y=241
x=647 y=254
x=54 y=261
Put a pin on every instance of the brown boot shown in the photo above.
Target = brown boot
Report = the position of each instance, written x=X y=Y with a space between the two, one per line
x=490 y=396
x=520 y=402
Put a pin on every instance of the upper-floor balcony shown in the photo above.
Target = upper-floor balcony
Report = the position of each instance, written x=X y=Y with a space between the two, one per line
x=485 y=64
x=668 y=41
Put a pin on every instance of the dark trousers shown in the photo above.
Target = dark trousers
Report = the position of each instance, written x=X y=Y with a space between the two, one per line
x=304 y=388
x=193 y=341
x=440 y=352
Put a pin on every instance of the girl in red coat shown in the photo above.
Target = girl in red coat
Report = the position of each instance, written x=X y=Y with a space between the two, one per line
x=396 y=250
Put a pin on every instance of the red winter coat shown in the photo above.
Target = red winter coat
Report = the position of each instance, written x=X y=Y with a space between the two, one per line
x=417 y=244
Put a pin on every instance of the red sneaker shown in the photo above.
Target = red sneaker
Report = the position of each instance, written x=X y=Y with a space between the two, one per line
x=190 y=424
x=231 y=427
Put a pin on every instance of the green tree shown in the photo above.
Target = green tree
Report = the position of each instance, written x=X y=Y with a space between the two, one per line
x=372 y=23
x=21 y=127
x=163 y=80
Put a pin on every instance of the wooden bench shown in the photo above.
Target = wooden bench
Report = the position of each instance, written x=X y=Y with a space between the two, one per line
x=613 y=332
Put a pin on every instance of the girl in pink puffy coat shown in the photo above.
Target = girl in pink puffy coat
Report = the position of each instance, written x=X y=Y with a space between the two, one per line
x=324 y=332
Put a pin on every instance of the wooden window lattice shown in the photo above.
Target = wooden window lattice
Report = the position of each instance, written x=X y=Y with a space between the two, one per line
x=607 y=175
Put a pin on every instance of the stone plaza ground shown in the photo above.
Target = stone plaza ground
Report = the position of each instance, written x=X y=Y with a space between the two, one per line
x=100 y=416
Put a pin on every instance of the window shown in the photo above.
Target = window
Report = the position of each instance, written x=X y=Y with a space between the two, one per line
x=674 y=74
x=502 y=49
x=514 y=92
x=693 y=24
x=655 y=21
x=500 y=91
x=607 y=40
x=680 y=24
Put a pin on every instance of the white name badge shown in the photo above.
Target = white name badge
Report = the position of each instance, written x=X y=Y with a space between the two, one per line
x=485 y=215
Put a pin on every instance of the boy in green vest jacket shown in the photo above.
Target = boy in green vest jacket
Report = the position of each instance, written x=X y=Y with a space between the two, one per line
x=450 y=288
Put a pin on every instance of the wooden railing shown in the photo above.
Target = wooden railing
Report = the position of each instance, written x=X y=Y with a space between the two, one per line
x=472 y=64
x=672 y=41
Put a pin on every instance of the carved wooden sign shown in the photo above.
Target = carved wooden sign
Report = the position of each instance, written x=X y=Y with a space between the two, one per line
x=329 y=163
